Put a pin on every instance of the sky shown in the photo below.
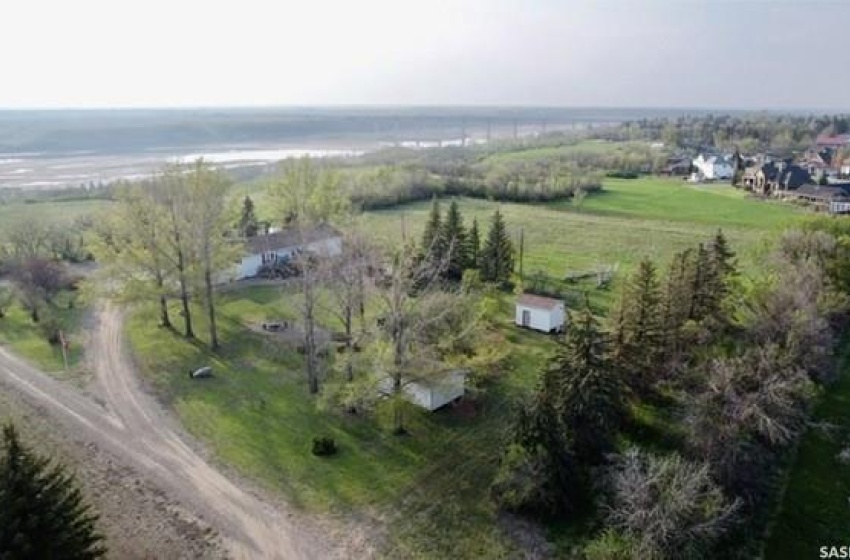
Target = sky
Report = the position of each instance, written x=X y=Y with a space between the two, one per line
x=748 y=54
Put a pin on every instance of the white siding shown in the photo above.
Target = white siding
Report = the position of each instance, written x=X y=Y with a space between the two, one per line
x=431 y=394
x=545 y=320
x=250 y=265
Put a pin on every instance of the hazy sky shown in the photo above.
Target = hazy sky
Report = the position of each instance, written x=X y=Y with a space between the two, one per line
x=680 y=53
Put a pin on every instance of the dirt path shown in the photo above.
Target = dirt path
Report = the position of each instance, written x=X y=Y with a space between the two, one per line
x=134 y=427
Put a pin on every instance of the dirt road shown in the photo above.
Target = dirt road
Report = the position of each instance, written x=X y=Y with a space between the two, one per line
x=133 y=426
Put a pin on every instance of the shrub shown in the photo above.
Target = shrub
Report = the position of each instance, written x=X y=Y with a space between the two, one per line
x=324 y=446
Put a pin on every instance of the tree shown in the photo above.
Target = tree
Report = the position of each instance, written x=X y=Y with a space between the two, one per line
x=38 y=281
x=667 y=507
x=307 y=197
x=209 y=227
x=171 y=193
x=497 y=256
x=427 y=329
x=248 y=224
x=473 y=245
x=588 y=389
x=434 y=245
x=639 y=332
x=6 y=298
x=42 y=511
x=27 y=238
x=348 y=279
x=130 y=243
x=454 y=236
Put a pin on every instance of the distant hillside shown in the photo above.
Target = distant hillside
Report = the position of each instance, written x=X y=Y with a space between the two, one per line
x=136 y=130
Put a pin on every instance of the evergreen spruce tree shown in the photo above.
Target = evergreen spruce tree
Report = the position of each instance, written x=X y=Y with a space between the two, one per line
x=42 y=513
x=473 y=249
x=248 y=224
x=639 y=338
x=497 y=256
x=589 y=390
x=677 y=298
x=433 y=244
x=723 y=261
x=700 y=276
x=455 y=238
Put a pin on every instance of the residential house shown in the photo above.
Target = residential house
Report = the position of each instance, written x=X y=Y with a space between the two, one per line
x=774 y=178
x=713 y=168
x=540 y=313
x=677 y=167
x=832 y=141
x=822 y=197
x=283 y=244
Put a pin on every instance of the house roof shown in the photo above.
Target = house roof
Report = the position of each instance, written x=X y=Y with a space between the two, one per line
x=824 y=192
x=833 y=140
x=538 y=302
x=289 y=237
x=793 y=176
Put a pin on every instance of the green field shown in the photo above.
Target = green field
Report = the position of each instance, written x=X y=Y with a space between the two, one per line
x=629 y=220
x=432 y=485
x=48 y=211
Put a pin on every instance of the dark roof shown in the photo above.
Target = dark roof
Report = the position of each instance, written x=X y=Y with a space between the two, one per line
x=289 y=237
x=538 y=302
x=792 y=177
x=824 y=192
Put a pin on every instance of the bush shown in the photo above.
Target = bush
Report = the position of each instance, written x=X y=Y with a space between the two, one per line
x=324 y=446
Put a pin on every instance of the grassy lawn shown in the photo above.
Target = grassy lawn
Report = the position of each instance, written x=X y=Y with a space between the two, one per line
x=27 y=339
x=432 y=486
x=815 y=510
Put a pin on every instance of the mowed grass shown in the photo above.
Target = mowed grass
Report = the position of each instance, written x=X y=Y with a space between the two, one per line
x=257 y=415
x=815 y=510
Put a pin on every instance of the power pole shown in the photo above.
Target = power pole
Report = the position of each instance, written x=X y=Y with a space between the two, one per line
x=521 y=251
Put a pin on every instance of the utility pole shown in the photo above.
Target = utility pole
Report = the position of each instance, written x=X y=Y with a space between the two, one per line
x=521 y=252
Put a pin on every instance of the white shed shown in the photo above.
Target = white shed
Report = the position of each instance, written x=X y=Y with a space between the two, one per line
x=540 y=313
x=433 y=393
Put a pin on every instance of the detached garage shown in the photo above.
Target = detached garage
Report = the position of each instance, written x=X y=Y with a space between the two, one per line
x=540 y=313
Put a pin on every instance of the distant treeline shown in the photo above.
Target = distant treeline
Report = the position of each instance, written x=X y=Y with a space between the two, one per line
x=543 y=169
x=781 y=134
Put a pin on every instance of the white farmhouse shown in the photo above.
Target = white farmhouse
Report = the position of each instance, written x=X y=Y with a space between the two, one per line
x=714 y=167
x=281 y=245
x=540 y=313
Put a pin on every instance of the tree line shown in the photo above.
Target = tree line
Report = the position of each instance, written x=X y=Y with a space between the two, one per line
x=168 y=237
x=782 y=134
x=727 y=364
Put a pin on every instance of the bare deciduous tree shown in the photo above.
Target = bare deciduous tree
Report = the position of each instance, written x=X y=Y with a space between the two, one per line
x=666 y=506
x=308 y=197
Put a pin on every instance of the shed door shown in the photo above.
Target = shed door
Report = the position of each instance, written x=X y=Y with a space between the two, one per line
x=526 y=317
